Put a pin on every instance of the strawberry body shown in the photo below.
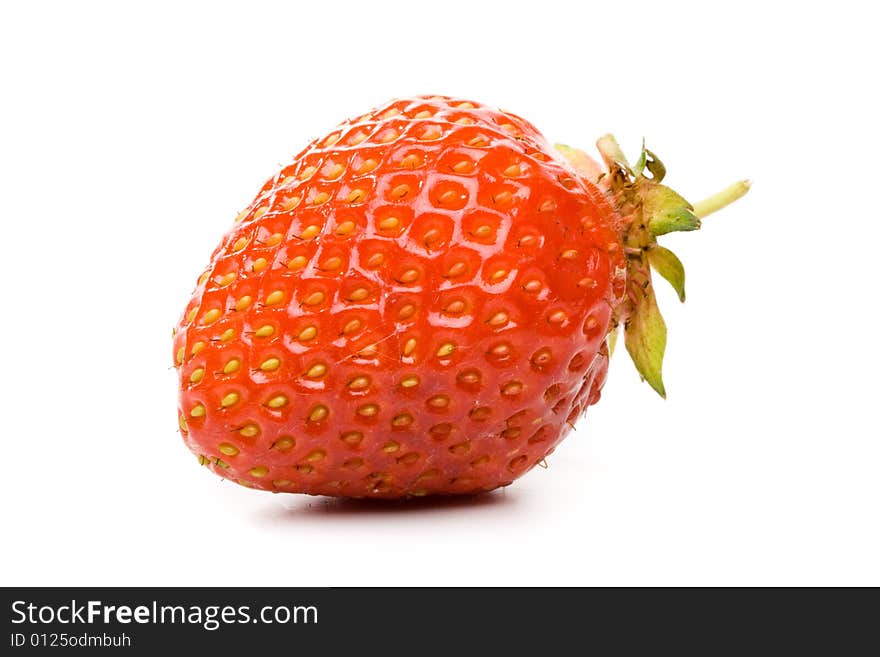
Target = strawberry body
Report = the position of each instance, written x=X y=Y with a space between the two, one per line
x=418 y=304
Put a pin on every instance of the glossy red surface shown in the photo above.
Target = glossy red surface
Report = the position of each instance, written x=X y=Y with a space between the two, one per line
x=417 y=304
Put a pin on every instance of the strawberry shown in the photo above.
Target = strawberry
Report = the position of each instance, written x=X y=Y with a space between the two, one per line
x=423 y=302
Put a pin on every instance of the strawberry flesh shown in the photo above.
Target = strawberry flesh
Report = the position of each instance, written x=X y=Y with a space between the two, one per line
x=418 y=304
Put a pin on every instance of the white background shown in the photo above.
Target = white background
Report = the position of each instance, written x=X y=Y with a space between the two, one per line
x=132 y=136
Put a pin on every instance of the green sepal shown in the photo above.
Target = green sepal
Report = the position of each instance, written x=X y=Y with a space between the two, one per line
x=647 y=160
x=655 y=166
x=645 y=337
x=612 y=341
x=611 y=154
x=667 y=264
x=639 y=166
x=580 y=161
x=666 y=211
x=673 y=221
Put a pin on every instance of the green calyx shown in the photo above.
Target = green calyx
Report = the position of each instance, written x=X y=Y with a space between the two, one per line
x=648 y=210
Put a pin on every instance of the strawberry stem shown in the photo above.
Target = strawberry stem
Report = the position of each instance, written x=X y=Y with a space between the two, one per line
x=648 y=209
x=722 y=199
x=658 y=210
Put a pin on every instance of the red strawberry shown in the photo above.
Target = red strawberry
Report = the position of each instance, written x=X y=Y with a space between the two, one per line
x=420 y=303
